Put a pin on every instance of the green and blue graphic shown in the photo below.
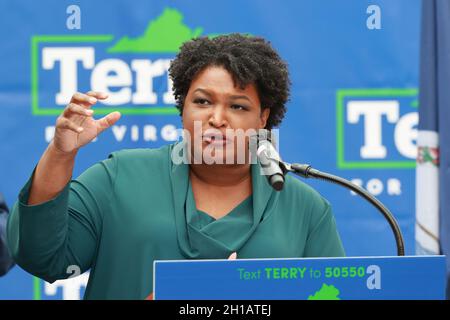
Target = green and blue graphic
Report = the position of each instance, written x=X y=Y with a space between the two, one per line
x=366 y=278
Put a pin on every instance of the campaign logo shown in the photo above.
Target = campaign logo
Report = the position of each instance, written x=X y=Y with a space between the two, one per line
x=376 y=128
x=132 y=70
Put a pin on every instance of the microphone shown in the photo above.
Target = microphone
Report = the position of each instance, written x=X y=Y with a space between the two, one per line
x=275 y=169
x=270 y=164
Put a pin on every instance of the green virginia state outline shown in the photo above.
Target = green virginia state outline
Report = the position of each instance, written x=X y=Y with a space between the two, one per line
x=165 y=34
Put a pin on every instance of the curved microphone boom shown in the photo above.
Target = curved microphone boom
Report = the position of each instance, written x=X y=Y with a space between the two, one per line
x=306 y=171
x=275 y=169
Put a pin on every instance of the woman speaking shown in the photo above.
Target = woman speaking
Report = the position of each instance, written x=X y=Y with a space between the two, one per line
x=139 y=205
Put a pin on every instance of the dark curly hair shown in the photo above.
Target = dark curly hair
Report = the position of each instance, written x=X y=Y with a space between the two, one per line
x=248 y=59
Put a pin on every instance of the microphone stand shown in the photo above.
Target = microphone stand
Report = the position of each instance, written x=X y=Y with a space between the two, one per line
x=306 y=171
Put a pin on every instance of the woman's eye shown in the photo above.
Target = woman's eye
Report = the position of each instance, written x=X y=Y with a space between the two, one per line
x=201 y=101
x=238 y=107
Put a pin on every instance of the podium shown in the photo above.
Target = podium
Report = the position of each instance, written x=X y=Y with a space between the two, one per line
x=349 y=278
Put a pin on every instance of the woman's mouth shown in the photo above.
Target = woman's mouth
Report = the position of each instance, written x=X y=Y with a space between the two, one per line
x=216 y=140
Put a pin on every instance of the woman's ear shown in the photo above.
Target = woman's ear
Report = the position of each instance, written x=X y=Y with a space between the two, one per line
x=264 y=116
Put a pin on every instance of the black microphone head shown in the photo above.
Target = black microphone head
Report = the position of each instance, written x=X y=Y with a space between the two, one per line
x=277 y=182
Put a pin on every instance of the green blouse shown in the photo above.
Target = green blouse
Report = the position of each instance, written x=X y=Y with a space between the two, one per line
x=137 y=206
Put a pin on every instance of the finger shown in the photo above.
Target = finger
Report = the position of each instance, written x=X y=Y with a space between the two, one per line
x=233 y=256
x=73 y=108
x=64 y=123
x=97 y=94
x=108 y=120
x=84 y=99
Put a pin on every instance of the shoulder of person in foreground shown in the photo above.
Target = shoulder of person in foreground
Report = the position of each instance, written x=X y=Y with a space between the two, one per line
x=148 y=156
x=133 y=163
x=323 y=237
x=121 y=169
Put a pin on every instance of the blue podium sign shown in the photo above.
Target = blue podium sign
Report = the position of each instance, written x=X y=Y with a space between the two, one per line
x=364 y=278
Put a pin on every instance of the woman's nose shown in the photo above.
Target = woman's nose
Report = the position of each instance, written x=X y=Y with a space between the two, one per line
x=218 y=117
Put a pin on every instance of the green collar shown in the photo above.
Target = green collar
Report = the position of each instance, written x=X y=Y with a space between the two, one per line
x=223 y=236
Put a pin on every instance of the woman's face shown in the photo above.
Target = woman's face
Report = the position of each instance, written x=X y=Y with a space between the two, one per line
x=214 y=109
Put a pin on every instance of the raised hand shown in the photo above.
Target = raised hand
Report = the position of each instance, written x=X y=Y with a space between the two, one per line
x=76 y=127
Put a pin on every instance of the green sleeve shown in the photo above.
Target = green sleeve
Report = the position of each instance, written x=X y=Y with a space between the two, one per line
x=45 y=239
x=323 y=239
